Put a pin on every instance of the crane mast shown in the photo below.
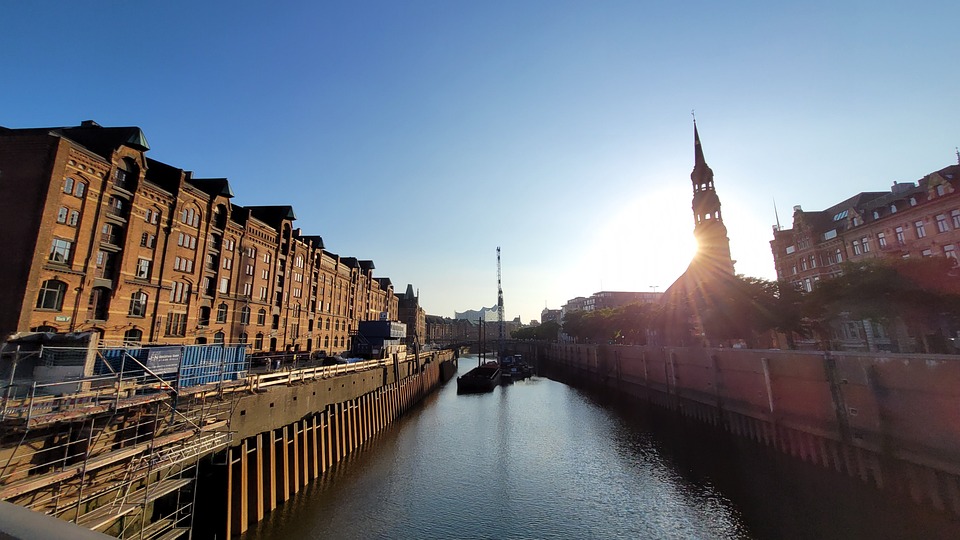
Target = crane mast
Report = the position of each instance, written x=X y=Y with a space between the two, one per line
x=500 y=336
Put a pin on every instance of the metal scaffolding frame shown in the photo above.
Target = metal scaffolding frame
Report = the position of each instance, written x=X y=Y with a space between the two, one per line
x=118 y=452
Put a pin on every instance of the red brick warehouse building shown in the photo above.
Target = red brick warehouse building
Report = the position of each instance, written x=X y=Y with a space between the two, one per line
x=102 y=238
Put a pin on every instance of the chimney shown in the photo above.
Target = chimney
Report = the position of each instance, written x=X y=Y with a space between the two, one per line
x=89 y=123
x=797 y=208
x=902 y=187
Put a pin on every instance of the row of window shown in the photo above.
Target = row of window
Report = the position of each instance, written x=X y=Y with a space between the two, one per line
x=187 y=241
x=189 y=216
x=175 y=324
x=75 y=188
x=52 y=293
x=183 y=264
x=152 y=216
x=70 y=217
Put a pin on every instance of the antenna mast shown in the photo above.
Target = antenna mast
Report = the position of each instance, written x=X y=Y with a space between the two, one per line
x=499 y=309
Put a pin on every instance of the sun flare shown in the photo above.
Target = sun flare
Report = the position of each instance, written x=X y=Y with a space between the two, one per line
x=645 y=244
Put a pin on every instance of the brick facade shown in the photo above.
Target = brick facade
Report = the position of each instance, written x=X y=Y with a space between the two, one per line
x=913 y=219
x=137 y=250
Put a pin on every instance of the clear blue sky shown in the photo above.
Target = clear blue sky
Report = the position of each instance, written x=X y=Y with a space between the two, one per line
x=423 y=135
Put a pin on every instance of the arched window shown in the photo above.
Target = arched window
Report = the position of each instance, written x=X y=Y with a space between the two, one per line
x=328 y=324
x=218 y=338
x=179 y=292
x=243 y=337
x=245 y=315
x=127 y=174
x=261 y=317
x=326 y=342
x=51 y=294
x=258 y=341
x=222 y=313
x=220 y=217
x=80 y=189
x=133 y=336
x=68 y=185
x=138 y=304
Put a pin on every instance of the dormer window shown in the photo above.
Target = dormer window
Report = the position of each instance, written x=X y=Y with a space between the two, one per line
x=913 y=201
x=893 y=209
x=941 y=190
x=876 y=214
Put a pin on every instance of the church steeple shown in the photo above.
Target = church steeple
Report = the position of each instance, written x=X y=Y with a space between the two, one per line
x=713 y=250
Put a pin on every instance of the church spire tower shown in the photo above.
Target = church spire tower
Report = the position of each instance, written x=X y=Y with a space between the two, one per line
x=713 y=251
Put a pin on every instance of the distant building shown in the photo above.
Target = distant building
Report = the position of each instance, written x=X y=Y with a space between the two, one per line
x=614 y=299
x=548 y=315
x=485 y=313
x=413 y=315
x=602 y=300
x=445 y=329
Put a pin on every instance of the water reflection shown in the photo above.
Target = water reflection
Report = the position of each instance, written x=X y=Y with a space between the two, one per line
x=540 y=459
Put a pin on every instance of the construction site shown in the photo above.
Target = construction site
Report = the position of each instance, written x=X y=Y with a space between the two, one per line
x=113 y=437
x=110 y=437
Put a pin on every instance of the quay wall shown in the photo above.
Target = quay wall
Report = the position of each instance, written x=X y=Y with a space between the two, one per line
x=892 y=420
x=287 y=435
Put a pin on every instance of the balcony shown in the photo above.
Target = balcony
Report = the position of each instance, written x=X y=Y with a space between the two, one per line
x=124 y=181
x=111 y=239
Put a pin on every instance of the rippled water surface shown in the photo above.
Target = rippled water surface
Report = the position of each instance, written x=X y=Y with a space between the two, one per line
x=540 y=459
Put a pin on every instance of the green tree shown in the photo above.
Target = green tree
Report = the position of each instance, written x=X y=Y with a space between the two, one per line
x=921 y=295
x=547 y=331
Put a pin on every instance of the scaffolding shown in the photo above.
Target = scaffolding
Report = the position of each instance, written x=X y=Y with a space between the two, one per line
x=115 y=451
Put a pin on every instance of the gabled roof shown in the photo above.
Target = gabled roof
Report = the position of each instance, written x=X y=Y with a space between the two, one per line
x=860 y=201
x=214 y=187
x=317 y=241
x=166 y=176
x=273 y=215
x=95 y=138
x=104 y=141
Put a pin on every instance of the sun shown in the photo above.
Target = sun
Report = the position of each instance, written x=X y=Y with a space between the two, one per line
x=645 y=243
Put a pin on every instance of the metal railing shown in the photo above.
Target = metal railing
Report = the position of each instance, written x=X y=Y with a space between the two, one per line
x=291 y=375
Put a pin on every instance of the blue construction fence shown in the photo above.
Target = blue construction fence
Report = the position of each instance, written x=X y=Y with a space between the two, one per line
x=181 y=366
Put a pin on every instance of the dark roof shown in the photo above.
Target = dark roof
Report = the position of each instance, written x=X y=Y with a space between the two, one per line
x=860 y=201
x=166 y=176
x=367 y=265
x=317 y=241
x=350 y=261
x=272 y=215
x=214 y=187
x=99 y=140
x=384 y=282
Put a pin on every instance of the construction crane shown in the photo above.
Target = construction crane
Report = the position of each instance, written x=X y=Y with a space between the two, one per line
x=500 y=336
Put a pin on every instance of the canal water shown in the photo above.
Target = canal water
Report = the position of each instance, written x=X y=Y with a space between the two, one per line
x=540 y=459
